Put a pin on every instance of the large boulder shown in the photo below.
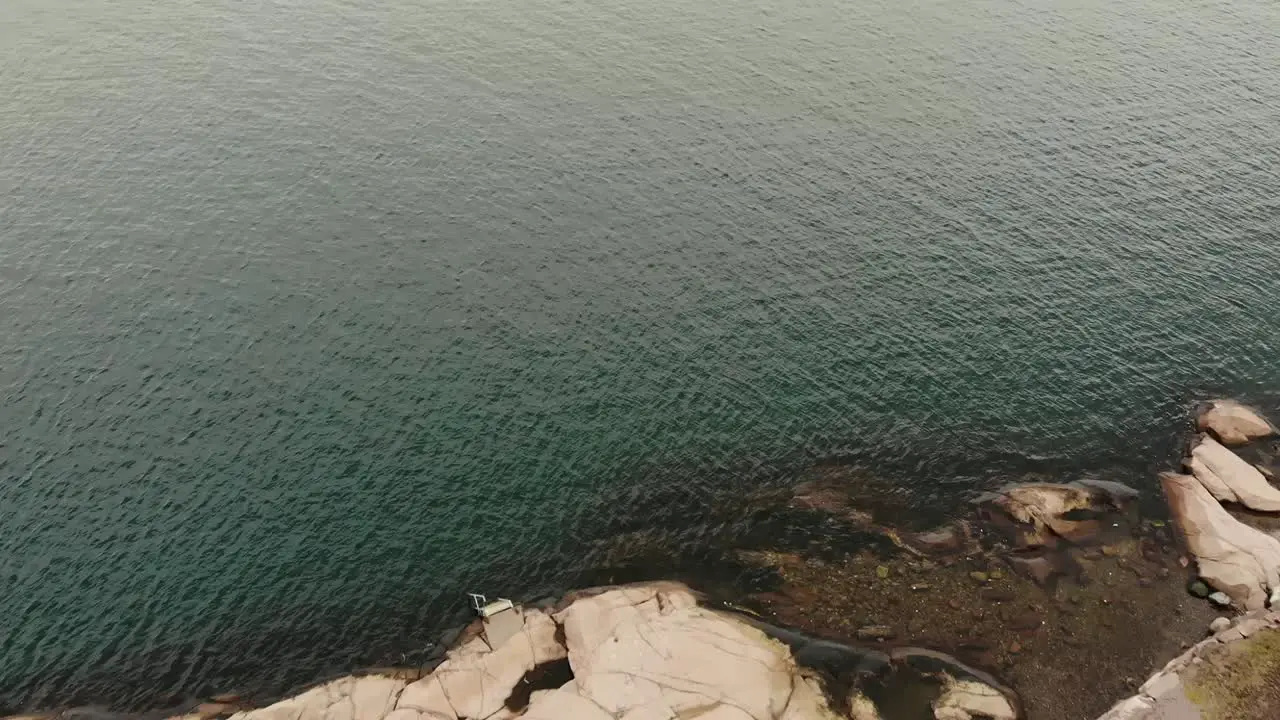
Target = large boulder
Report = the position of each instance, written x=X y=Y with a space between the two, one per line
x=653 y=647
x=1229 y=478
x=1239 y=560
x=970 y=700
x=1233 y=423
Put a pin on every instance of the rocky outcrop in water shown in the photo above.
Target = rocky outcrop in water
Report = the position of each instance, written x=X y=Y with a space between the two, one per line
x=1232 y=423
x=475 y=681
x=640 y=652
x=1237 y=559
x=652 y=652
x=1039 y=517
x=1047 y=506
x=1229 y=478
x=1240 y=560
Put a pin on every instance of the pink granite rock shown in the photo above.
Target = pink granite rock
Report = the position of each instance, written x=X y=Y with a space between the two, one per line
x=641 y=652
x=370 y=697
x=1233 y=423
x=475 y=682
x=652 y=645
x=1046 y=505
x=1229 y=478
x=561 y=705
x=1239 y=560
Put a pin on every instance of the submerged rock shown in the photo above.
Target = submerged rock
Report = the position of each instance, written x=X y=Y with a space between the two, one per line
x=946 y=539
x=1043 y=569
x=1115 y=494
x=1229 y=478
x=1239 y=560
x=1198 y=588
x=938 y=664
x=875 y=632
x=1233 y=423
x=1046 y=505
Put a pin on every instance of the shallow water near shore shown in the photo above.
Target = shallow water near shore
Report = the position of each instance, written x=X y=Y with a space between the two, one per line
x=315 y=316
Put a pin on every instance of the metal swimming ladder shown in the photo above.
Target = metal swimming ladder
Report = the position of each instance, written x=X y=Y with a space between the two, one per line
x=501 y=618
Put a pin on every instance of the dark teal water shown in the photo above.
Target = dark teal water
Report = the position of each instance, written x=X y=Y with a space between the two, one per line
x=315 y=315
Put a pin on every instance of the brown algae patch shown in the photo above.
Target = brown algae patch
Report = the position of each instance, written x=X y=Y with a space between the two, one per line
x=1239 y=681
x=1068 y=649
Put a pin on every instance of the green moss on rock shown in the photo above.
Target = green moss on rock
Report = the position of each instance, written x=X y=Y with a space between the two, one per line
x=1239 y=682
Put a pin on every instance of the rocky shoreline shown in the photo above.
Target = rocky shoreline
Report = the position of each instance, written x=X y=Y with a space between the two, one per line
x=1234 y=674
x=1048 y=599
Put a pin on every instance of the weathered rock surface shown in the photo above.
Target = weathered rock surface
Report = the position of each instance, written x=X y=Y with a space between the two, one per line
x=1239 y=560
x=1229 y=478
x=861 y=707
x=653 y=646
x=1232 y=423
x=209 y=710
x=643 y=652
x=969 y=700
x=560 y=704
x=371 y=697
x=474 y=682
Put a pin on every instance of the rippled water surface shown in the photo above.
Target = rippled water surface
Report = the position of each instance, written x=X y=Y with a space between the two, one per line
x=314 y=315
